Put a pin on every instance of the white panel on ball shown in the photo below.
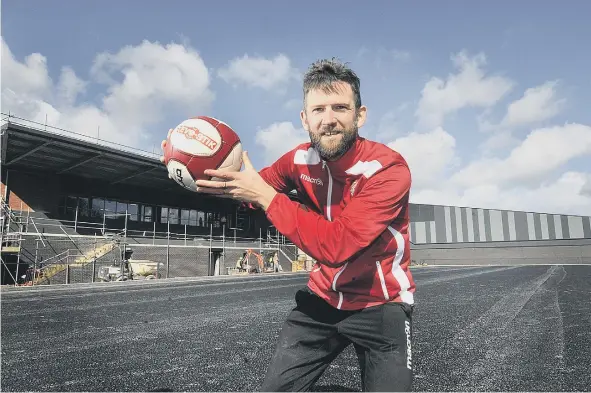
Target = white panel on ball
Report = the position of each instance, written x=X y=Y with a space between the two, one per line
x=234 y=160
x=196 y=137
x=179 y=173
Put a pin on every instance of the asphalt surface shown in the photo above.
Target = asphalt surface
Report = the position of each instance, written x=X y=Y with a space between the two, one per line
x=476 y=329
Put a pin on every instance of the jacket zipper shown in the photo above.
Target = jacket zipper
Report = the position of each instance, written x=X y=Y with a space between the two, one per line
x=328 y=216
x=329 y=194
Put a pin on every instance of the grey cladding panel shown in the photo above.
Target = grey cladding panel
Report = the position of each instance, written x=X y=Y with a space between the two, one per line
x=587 y=227
x=464 y=224
x=551 y=228
x=414 y=213
x=521 y=228
x=565 y=227
x=454 y=228
x=538 y=226
x=476 y=225
x=420 y=213
x=440 y=223
x=427 y=212
x=505 y=218
x=487 y=225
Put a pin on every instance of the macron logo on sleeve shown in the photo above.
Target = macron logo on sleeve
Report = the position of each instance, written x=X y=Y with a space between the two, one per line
x=312 y=180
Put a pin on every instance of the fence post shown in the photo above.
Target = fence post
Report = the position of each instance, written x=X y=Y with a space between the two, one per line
x=185 y=234
x=18 y=257
x=27 y=220
x=211 y=245
x=36 y=252
x=76 y=216
x=260 y=240
x=125 y=230
x=168 y=249
x=154 y=233
x=223 y=249
x=94 y=257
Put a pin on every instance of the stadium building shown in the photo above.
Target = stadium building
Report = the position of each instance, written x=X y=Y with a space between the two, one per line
x=69 y=203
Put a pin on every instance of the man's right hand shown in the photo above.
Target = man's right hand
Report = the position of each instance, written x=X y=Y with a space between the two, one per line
x=163 y=145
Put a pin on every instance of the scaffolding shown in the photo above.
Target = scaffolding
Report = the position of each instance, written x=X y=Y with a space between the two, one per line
x=37 y=250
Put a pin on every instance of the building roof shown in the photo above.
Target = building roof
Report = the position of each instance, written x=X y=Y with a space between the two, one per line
x=29 y=146
x=35 y=147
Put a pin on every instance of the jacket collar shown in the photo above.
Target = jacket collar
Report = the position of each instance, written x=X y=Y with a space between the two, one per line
x=349 y=158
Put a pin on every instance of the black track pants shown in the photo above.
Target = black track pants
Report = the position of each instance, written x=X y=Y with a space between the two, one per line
x=315 y=333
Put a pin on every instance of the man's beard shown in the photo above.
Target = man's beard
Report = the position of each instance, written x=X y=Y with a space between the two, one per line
x=331 y=153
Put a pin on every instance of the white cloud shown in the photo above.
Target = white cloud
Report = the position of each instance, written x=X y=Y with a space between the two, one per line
x=388 y=126
x=497 y=142
x=469 y=87
x=278 y=138
x=566 y=195
x=28 y=77
x=153 y=76
x=543 y=151
x=70 y=86
x=428 y=155
x=142 y=81
x=267 y=74
x=586 y=189
x=537 y=104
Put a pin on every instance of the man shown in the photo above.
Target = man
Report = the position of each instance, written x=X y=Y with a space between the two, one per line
x=354 y=221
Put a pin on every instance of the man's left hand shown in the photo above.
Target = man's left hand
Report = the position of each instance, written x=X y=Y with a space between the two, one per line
x=246 y=186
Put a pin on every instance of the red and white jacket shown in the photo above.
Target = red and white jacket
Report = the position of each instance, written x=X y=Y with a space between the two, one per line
x=354 y=221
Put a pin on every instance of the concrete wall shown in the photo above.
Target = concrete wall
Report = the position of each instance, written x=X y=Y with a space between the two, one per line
x=502 y=253
x=433 y=224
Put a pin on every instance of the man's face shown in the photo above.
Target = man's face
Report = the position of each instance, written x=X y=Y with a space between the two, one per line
x=332 y=121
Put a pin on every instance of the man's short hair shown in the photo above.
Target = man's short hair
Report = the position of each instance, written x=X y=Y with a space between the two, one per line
x=323 y=73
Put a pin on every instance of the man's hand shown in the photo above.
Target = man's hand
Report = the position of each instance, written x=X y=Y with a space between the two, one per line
x=163 y=145
x=246 y=186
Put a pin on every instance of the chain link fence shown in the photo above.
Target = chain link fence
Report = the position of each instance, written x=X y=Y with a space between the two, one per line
x=47 y=259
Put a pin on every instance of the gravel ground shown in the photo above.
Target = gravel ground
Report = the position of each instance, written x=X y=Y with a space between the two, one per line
x=502 y=328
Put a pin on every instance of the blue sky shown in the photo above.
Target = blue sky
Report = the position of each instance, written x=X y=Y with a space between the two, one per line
x=439 y=79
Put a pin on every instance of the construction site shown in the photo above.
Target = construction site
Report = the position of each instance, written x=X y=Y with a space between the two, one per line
x=76 y=209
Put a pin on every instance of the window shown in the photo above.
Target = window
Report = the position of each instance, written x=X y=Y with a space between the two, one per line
x=132 y=210
x=121 y=210
x=83 y=207
x=98 y=206
x=200 y=219
x=173 y=215
x=71 y=204
x=147 y=214
x=193 y=218
x=110 y=209
x=169 y=215
x=184 y=217
x=215 y=220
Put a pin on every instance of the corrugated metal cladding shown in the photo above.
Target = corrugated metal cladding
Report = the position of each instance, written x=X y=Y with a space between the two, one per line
x=452 y=224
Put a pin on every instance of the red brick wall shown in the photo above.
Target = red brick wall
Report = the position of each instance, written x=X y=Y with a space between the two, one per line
x=14 y=201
